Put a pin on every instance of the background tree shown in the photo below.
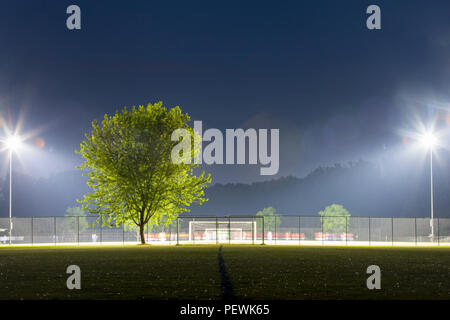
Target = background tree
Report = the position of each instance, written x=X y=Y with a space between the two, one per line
x=272 y=221
x=334 y=219
x=131 y=173
x=70 y=222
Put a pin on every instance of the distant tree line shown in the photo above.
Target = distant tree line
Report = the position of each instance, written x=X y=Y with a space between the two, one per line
x=363 y=188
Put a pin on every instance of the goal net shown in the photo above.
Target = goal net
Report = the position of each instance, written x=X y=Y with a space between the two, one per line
x=213 y=230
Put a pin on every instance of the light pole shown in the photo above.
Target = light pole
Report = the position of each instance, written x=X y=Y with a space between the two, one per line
x=12 y=144
x=431 y=194
x=429 y=140
x=10 y=195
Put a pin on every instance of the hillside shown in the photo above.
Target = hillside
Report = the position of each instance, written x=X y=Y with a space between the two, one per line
x=361 y=187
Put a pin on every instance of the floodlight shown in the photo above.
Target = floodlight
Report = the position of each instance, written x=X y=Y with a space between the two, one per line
x=13 y=143
x=428 y=140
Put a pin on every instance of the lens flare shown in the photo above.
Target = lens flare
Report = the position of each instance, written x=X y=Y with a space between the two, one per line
x=13 y=143
x=428 y=140
x=39 y=142
x=405 y=140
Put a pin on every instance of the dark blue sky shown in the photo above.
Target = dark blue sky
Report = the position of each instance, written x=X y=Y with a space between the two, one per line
x=336 y=90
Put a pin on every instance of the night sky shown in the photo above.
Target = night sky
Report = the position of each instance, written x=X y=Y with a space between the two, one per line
x=337 y=91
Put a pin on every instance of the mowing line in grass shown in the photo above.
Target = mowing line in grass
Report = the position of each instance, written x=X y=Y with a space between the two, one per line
x=226 y=287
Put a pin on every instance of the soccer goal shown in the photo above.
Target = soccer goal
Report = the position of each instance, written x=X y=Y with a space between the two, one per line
x=222 y=231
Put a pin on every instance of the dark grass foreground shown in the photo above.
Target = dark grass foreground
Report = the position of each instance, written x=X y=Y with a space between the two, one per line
x=131 y=272
x=338 y=273
x=255 y=272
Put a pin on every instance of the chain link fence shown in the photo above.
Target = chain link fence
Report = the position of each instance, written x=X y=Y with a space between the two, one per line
x=278 y=229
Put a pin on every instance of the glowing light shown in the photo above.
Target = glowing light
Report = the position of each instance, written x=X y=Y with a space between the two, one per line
x=428 y=140
x=13 y=143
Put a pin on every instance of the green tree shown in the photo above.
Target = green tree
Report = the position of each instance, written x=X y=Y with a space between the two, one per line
x=70 y=222
x=272 y=221
x=128 y=159
x=131 y=227
x=334 y=218
x=152 y=227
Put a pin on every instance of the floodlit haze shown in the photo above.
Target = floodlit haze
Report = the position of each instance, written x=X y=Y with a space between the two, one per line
x=337 y=91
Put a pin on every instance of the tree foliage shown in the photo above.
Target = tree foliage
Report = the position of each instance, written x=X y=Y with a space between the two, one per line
x=74 y=220
x=132 y=177
x=272 y=220
x=334 y=218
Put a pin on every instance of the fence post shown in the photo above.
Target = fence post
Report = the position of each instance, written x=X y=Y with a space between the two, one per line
x=321 y=228
x=299 y=229
x=415 y=231
x=439 y=241
x=170 y=233
x=78 y=230
x=262 y=229
x=32 y=234
x=275 y=228
x=178 y=230
x=229 y=230
x=253 y=231
x=54 y=228
x=346 y=230
x=369 y=231
x=217 y=230
x=392 y=230
x=101 y=233
x=191 y=230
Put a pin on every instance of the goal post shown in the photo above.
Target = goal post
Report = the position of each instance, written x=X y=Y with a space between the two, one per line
x=223 y=230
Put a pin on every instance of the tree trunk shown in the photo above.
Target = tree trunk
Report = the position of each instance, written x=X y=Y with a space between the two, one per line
x=141 y=231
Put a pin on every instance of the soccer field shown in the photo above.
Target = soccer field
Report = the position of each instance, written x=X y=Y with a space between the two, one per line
x=254 y=272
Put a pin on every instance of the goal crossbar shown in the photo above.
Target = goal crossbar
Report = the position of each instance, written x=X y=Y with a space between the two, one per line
x=221 y=230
